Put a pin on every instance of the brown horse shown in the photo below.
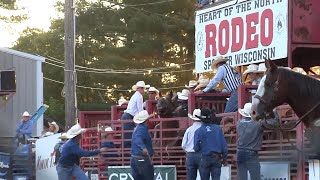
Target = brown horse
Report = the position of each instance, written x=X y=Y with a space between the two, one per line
x=281 y=85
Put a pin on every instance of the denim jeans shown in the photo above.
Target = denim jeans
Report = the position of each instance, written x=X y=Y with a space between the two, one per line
x=67 y=172
x=141 y=169
x=232 y=103
x=193 y=164
x=127 y=126
x=248 y=160
x=210 y=165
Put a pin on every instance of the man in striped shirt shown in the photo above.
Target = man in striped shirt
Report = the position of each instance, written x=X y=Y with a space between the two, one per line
x=230 y=78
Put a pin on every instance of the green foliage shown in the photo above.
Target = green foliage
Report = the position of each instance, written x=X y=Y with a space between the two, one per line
x=55 y=110
x=8 y=11
x=115 y=36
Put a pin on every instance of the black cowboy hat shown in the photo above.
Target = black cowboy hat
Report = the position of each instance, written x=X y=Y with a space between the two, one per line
x=205 y=114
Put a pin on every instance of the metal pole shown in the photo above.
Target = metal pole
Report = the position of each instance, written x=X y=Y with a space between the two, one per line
x=69 y=71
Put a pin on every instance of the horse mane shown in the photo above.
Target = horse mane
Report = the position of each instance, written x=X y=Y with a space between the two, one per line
x=307 y=85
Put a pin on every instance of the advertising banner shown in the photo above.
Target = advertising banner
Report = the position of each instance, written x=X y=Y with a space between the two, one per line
x=4 y=165
x=245 y=32
x=225 y=173
x=45 y=167
x=162 y=172
x=274 y=170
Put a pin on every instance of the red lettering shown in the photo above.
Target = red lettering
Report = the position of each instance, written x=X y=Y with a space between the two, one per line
x=223 y=49
x=211 y=32
x=251 y=30
x=237 y=22
x=266 y=15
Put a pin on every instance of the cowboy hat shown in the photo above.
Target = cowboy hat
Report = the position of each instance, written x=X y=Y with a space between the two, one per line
x=141 y=117
x=153 y=89
x=183 y=95
x=246 y=110
x=75 y=131
x=192 y=83
x=147 y=86
x=219 y=59
x=56 y=127
x=196 y=112
x=262 y=68
x=122 y=100
x=205 y=114
x=252 y=68
x=108 y=129
x=26 y=114
x=203 y=83
x=139 y=84
x=64 y=136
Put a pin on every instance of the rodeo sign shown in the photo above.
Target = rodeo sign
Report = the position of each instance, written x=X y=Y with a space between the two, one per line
x=246 y=32
x=162 y=172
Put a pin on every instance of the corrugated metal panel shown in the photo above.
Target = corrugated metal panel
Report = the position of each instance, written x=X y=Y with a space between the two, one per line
x=26 y=97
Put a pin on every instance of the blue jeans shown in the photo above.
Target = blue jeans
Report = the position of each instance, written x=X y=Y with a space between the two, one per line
x=127 y=126
x=193 y=164
x=248 y=160
x=210 y=165
x=232 y=103
x=67 y=172
x=141 y=168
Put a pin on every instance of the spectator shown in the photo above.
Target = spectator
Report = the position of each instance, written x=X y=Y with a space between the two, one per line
x=135 y=106
x=68 y=164
x=210 y=142
x=231 y=80
x=249 y=142
x=142 y=151
x=58 y=147
x=193 y=158
x=201 y=4
x=153 y=93
x=53 y=129
x=24 y=128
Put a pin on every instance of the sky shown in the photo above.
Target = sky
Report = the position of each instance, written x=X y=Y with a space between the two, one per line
x=40 y=13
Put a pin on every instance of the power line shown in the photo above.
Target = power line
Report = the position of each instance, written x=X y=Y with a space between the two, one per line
x=132 y=5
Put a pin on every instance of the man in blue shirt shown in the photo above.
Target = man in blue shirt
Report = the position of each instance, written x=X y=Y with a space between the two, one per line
x=231 y=80
x=142 y=151
x=68 y=164
x=24 y=128
x=210 y=141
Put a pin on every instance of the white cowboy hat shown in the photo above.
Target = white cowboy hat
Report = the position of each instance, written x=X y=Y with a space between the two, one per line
x=203 y=83
x=139 y=84
x=121 y=101
x=252 y=68
x=75 y=131
x=26 y=114
x=246 y=110
x=218 y=60
x=192 y=83
x=153 y=89
x=262 y=68
x=64 y=136
x=141 y=117
x=56 y=127
x=196 y=112
x=184 y=94
x=108 y=129
x=147 y=86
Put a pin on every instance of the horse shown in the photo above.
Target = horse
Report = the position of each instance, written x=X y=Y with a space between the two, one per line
x=281 y=85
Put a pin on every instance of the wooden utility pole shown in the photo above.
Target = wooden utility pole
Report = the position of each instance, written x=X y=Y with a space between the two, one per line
x=69 y=67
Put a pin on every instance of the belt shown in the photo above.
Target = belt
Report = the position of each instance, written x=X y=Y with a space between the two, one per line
x=248 y=150
x=144 y=157
x=215 y=155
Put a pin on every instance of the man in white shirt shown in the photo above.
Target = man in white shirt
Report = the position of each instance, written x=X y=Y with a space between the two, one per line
x=135 y=106
x=193 y=158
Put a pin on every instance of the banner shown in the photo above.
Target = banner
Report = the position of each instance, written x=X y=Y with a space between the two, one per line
x=225 y=173
x=162 y=172
x=4 y=165
x=245 y=32
x=274 y=170
x=45 y=167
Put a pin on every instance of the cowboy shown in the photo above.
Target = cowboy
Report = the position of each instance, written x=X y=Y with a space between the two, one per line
x=122 y=101
x=249 y=142
x=193 y=158
x=53 y=129
x=192 y=84
x=135 y=106
x=203 y=82
x=260 y=73
x=71 y=153
x=107 y=142
x=153 y=93
x=251 y=72
x=183 y=103
x=210 y=142
x=142 y=151
x=231 y=80
x=24 y=128
x=58 y=147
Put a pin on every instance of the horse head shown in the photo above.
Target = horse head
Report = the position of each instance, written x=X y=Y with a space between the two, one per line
x=166 y=105
x=272 y=92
